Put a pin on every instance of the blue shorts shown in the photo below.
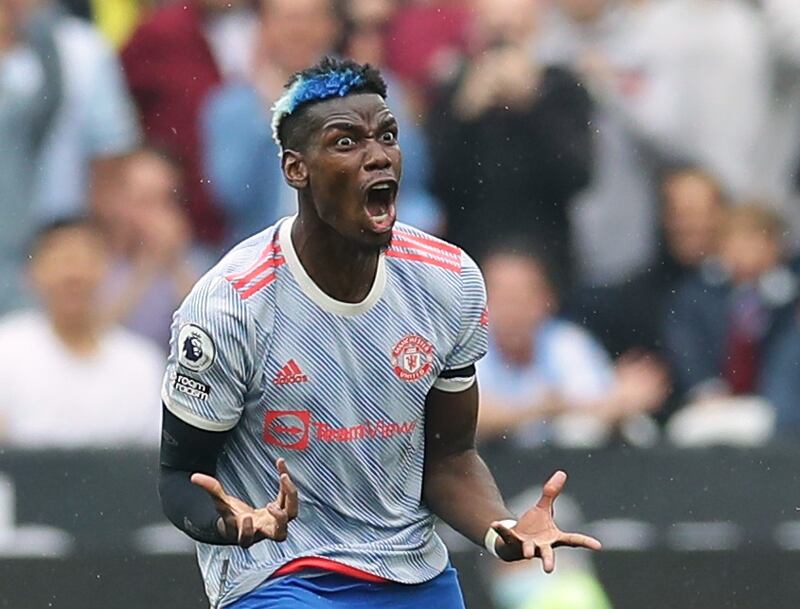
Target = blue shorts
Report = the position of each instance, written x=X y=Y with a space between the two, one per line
x=334 y=591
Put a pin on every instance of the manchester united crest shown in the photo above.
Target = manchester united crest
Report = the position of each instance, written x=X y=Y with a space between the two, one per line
x=412 y=358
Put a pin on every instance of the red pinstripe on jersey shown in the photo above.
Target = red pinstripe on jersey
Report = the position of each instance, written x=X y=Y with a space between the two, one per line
x=407 y=246
x=430 y=242
x=261 y=284
x=269 y=260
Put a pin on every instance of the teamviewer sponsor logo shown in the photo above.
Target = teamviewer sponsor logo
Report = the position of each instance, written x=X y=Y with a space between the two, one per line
x=287 y=428
x=294 y=429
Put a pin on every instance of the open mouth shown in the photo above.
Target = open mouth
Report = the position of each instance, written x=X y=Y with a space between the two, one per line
x=380 y=205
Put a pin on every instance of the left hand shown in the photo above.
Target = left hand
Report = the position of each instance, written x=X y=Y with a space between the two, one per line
x=536 y=534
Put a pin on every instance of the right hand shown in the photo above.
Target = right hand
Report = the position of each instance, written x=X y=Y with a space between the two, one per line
x=245 y=525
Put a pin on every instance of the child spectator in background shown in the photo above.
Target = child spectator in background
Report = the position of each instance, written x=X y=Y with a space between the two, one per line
x=67 y=379
x=540 y=368
x=628 y=315
x=723 y=319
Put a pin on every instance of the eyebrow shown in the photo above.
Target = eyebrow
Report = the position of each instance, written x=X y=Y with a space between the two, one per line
x=342 y=125
x=346 y=125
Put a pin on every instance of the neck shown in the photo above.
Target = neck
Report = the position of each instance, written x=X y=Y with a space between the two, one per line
x=80 y=335
x=339 y=267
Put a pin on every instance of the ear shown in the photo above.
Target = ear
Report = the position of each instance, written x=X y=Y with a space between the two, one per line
x=295 y=170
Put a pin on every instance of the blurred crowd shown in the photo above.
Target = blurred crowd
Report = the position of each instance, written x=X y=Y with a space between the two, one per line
x=625 y=172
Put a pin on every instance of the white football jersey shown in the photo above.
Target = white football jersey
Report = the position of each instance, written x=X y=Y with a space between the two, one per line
x=337 y=389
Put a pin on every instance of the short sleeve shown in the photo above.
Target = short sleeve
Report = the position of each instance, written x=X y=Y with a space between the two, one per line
x=210 y=368
x=472 y=342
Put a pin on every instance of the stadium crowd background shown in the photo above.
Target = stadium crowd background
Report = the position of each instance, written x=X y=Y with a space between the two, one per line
x=625 y=172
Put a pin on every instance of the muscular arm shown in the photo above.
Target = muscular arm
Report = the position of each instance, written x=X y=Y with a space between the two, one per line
x=184 y=451
x=457 y=485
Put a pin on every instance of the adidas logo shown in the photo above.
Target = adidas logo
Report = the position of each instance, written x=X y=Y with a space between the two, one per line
x=290 y=374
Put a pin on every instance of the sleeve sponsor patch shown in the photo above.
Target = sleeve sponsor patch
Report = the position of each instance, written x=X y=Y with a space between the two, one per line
x=191 y=387
x=196 y=350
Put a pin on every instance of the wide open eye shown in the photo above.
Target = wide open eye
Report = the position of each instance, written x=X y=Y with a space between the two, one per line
x=345 y=142
x=389 y=138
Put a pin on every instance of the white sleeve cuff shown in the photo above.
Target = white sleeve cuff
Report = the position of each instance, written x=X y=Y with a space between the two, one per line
x=193 y=419
x=454 y=385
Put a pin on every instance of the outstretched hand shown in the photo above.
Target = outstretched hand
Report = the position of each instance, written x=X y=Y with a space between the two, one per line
x=244 y=525
x=536 y=534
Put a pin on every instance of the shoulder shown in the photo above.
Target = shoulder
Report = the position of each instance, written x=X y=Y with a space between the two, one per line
x=414 y=248
x=21 y=326
x=444 y=270
x=242 y=279
x=567 y=340
x=137 y=350
x=235 y=100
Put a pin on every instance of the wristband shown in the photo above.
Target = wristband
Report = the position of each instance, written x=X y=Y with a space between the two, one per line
x=490 y=539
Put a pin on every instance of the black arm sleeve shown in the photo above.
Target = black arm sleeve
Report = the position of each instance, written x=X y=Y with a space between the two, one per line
x=186 y=450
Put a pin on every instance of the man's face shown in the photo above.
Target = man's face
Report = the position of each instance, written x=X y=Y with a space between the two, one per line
x=67 y=270
x=520 y=299
x=692 y=214
x=353 y=166
x=151 y=189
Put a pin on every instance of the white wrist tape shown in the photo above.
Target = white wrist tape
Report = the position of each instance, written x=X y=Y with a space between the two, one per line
x=490 y=539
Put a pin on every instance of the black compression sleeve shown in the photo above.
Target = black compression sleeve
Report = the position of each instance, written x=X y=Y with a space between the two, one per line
x=185 y=450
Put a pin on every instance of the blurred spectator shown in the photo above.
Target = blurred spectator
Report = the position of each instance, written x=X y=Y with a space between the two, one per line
x=117 y=19
x=723 y=320
x=174 y=59
x=66 y=380
x=422 y=40
x=628 y=315
x=705 y=95
x=511 y=138
x=364 y=26
x=596 y=39
x=539 y=366
x=96 y=123
x=778 y=154
x=241 y=157
x=30 y=87
x=153 y=263
x=779 y=381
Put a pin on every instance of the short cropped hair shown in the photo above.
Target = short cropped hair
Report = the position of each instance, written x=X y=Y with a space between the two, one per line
x=520 y=246
x=49 y=229
x=329 y=78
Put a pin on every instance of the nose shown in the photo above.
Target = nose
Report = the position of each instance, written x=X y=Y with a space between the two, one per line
x=376 y=157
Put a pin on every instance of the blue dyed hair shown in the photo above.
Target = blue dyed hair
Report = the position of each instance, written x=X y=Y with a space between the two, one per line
x=329 y=78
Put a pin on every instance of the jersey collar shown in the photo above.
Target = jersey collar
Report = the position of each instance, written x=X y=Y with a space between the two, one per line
x=313 y=291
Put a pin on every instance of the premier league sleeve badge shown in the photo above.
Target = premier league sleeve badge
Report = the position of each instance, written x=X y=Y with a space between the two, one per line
x=196 y=350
